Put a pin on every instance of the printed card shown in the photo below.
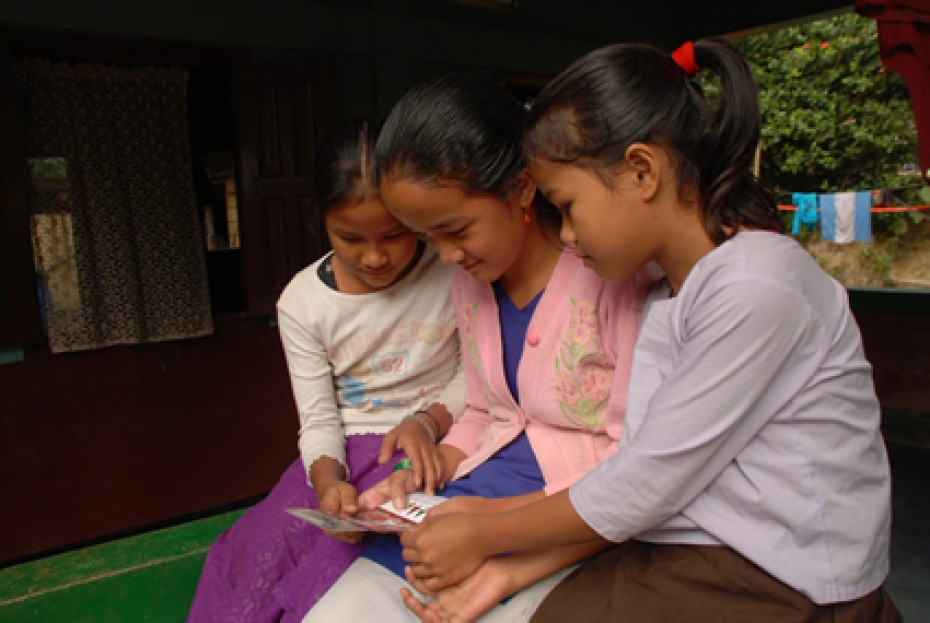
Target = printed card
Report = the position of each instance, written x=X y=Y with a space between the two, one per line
x=418 y=504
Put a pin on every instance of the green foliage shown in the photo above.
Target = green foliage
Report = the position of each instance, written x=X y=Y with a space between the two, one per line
x=890 y=230
x=880 y=258
x=834 y=118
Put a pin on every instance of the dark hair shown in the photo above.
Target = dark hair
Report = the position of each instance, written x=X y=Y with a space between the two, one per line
x=626 y=93
x=462 y=128
x=344 y=168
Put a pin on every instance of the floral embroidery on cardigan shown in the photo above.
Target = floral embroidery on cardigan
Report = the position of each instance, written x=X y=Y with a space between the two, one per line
x=583 y=375
x=469 y=319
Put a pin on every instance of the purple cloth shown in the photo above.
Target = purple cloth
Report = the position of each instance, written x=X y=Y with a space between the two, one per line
x=271 y=566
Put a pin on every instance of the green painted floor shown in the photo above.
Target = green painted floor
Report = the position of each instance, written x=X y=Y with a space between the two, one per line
x=150 y=577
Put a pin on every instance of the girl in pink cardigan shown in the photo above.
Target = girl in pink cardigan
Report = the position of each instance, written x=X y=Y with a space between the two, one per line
x=546 y=343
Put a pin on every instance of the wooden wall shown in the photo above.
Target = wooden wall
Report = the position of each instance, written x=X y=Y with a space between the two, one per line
x=103 y=442
x=898 y=346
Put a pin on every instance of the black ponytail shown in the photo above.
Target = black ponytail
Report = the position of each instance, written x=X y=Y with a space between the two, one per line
x=626 y=93
x=731 y=195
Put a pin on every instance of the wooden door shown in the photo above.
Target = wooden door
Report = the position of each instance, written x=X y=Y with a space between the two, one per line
x=281 y=108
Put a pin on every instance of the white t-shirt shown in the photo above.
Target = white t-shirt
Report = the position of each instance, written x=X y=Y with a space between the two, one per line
x=359 y=363
x=752 y=422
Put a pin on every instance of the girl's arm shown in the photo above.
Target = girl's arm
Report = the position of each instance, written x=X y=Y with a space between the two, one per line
x=321 y=438
x=478 y=504
x=321 y=432
x=446 y=549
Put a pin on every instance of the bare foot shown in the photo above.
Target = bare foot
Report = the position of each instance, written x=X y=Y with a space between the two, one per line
x=467 y=601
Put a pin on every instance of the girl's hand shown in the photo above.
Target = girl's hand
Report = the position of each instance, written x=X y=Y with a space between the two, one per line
x=341 y=498
x=411 y=437
x=464 y=602
x=444 y=550
x=395 y=487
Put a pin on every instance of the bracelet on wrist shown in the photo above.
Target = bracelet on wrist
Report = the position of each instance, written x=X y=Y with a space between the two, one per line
x=426 y=425
x=432 y=418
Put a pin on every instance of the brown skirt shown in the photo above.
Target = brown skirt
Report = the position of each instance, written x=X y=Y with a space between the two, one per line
x=645 y=583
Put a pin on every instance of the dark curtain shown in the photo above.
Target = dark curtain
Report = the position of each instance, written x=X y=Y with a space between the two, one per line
x=117 y=238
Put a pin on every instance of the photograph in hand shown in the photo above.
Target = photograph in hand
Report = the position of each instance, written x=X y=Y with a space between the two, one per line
x=386 y=518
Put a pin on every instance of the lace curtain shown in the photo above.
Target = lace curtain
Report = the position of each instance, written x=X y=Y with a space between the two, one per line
x=117 y=240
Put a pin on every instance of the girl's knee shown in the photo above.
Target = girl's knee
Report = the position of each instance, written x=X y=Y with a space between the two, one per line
x=365 y=592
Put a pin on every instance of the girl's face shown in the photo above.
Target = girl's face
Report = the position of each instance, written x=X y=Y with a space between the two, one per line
x=609 y=228
x=373 y=249
x=481 y=233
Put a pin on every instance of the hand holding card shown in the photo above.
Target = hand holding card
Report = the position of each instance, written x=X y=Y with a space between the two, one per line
x=374 y=520
x=386 y=518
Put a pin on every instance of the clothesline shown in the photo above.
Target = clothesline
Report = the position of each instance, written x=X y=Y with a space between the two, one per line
x=791 y=208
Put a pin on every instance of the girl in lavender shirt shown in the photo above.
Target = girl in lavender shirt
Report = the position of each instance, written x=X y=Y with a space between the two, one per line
x=751 y=481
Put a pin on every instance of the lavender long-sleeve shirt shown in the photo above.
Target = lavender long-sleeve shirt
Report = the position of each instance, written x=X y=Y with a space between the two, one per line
x=752 y=422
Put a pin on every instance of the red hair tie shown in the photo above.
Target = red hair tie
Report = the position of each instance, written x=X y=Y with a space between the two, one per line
x=684 y=57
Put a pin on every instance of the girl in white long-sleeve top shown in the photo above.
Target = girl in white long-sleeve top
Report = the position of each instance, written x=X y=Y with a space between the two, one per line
x=372 y=352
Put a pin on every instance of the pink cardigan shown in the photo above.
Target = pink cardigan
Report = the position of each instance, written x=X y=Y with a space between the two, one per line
x=572 y=377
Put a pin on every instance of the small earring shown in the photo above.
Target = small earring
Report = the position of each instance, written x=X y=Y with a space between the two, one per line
x=639 y=176
x=526 y=215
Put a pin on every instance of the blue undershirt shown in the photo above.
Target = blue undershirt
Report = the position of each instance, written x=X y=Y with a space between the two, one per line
x=513 y=470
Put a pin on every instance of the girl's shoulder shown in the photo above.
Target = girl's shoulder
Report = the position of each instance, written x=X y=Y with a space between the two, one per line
x=307 y=280
x=762 y=255
x=306 y=295
x=763 y=269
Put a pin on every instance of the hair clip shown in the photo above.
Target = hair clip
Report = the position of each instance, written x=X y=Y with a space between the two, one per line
x=684 y=58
